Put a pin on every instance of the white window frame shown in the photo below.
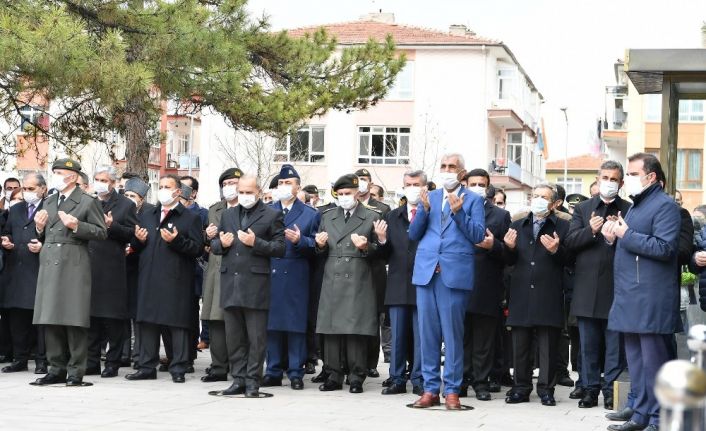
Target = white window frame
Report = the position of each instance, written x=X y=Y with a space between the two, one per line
x=283 y=149
x=509 y=80
x=571 y=184
x=403 y=87
x=366 y=133
x=513 y=146
x=691 y=114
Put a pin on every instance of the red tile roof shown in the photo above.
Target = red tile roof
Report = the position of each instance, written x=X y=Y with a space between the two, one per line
x=585 y=162
x=358 y=32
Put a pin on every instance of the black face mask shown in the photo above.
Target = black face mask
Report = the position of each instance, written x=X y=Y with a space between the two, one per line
x=121 y=191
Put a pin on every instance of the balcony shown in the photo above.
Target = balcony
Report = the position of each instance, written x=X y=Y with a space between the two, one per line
x=510 y=114
x=182 y=161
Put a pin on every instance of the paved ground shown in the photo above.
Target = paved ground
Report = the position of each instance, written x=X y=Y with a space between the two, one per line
x=117 y=404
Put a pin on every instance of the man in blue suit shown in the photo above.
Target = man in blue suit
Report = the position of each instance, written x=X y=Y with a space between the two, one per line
x=646 y=300
x=450 y=221
x=286 y=325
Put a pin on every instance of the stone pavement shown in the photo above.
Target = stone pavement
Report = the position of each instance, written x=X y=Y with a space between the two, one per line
x=117 y=404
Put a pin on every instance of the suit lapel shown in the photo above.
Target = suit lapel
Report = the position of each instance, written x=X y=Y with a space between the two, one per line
x=356 y=219
x=111 y=202
x=254 y=216
x=177 y=209
x=294 y=213
x=449 y=219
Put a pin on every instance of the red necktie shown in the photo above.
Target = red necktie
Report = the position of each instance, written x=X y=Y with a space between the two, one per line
x=414 y=214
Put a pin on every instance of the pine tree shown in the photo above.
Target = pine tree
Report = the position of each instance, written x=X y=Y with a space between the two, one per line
x=108 y=66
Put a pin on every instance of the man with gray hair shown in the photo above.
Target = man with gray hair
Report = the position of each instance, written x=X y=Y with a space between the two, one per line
x=534 y=245
x=21 y=250
x=400 y=296
x=593 y=286
x=109 y=291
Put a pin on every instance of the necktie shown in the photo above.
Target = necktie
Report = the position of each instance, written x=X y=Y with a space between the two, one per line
x=445 y=212
x=537 y=226
x=30 y=212
x=164 y=215
x=348 y=215
x=414 y=214
x=244 y=219
x=286 y=210
x=61 y=199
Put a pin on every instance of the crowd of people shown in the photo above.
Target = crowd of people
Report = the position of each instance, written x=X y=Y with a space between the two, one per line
x=458 y=293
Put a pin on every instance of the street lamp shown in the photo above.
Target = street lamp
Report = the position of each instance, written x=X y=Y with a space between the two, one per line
x=566 y=145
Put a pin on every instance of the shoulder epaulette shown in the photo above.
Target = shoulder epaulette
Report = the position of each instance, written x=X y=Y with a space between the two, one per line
x=372 y=208
x=325 y=211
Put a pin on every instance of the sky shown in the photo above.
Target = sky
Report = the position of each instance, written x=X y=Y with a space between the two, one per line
x=567 y=47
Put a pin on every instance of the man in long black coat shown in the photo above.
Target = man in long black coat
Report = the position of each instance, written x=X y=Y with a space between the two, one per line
x=109 y=293
x=249 y=235
x=593 y=286
x=534 y=245
x=169 y=239
x=21 y=267
x=484 y=308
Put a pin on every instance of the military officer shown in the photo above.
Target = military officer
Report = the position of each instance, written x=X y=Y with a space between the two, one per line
x=70 y=218
x=287 y=321
x=347 y=313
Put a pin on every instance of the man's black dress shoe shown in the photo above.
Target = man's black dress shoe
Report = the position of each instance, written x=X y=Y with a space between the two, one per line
x=494 y=387
x=15 y=367
x=373 y=372
x=417 y=390
x=235 y=389
x=74 y=381
x=109 y=372
x=565 y=380
x=356 y=388
x=321 y=378
x=394 y=389
x=515 y=398
x=252 y=393
x=608 y=402
x=190 y=369
x=387 y=382
x=93 y=371
x=627 y=426
x=577 y=393
x=163 y=368
x=548 y=400
x=49 y=379
x=142 y=375
x=269 y=381
x=621 y=415
x=41 y=368
x=296 y=383
x=214 y=378
x=178 y=378
x=330 y=385
x=483 y=395
x=590 y=399
x=310 y=368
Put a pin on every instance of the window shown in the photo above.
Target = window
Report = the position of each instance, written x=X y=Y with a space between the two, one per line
x=403 y=87
x=689 y=169
x=514 y=147
x=691 y=110
x=383 y=145
x=571 y=184
x=506 y=83
x=304 y=145
x=33 y=115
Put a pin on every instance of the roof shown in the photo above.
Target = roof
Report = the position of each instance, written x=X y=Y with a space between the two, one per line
x=686 y=67
x=359 y=32
x=585 y=162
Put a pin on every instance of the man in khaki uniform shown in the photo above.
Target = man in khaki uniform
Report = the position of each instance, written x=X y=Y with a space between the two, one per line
x=70 y=218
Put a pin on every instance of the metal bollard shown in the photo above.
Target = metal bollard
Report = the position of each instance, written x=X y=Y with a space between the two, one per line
x=697 y=345
x=680 y=388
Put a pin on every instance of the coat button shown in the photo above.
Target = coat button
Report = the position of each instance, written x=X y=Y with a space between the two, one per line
x=25 y=228
x=235 y=273
x=58 y=245
x=237 y=254
x=346 y=275
x=531 y=242
x=532 y=263
x=348 y=244
x=274 y=270
x=56 y=263
x=531 y=286
x=348 y=259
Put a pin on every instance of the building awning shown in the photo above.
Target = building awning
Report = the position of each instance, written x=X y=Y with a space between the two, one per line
x=685 y=67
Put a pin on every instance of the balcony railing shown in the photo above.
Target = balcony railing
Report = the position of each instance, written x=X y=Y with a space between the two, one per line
x=514 y=170
x=185 y=158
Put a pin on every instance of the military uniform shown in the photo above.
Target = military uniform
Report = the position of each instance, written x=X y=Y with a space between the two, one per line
x=63 y=299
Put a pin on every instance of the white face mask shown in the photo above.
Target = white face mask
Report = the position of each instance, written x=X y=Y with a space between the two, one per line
x=363 y=186
x=8 y=195
x=539 y=206
x=449 y=180
x=412 y=194
x=32 y=198
x=608 y=189
x=479 y=190
x=347 y=202
x=247 y=201
x=58 y=182
x=284 y=192
x=166 y=197
x=100 y=188
x=633 y=185
x=230 y=192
